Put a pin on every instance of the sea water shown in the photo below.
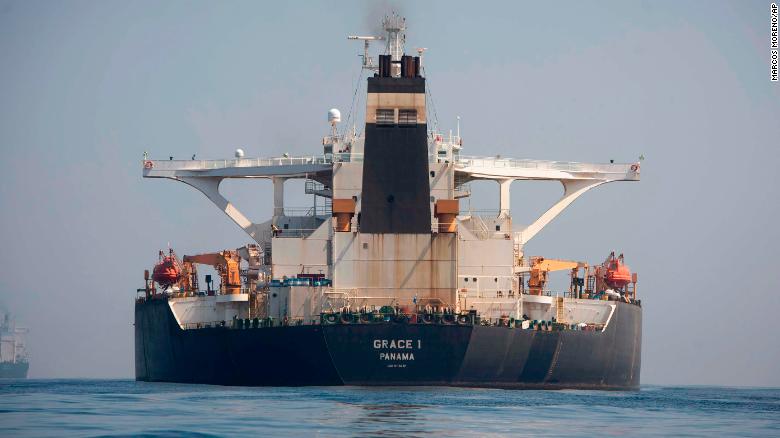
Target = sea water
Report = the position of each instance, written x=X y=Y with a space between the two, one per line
x=128 y=408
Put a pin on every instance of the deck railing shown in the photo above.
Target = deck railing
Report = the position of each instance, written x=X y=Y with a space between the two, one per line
x=251 y=162
x=564 y=166
x=460 y=162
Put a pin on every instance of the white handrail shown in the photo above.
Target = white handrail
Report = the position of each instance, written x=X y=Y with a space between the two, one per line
x=565 y=166
x=460 y=162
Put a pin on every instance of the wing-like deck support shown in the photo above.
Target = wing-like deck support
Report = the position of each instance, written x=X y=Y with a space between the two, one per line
x=206 y=176
x=209 y=186
x=572 y=189
x=577 y=178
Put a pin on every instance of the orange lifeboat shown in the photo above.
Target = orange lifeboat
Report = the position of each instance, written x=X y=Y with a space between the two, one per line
x=618 y=275
x=166 y=272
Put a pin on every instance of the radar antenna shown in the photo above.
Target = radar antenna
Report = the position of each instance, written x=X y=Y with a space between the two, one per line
x=368 y=61
x=395 y=27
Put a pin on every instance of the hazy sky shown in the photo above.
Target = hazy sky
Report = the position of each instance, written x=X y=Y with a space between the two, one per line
x=87 y=87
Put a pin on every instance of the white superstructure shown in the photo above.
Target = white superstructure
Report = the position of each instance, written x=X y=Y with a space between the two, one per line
x=476 y=264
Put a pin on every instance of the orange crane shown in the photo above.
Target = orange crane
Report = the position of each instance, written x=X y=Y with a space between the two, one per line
x=541 y=266
x=227 y=265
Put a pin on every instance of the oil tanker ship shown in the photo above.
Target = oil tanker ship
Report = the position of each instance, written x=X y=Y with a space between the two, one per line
x=389 y=277
x=13 y=356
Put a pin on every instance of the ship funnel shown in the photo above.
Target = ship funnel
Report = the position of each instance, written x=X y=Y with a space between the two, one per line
x=396 y=196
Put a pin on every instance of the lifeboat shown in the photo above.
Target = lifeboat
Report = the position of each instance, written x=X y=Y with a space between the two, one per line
x=618 y=275
x=166 y=272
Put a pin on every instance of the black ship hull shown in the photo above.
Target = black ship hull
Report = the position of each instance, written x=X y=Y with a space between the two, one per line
x=389 y=354
x=13 y=370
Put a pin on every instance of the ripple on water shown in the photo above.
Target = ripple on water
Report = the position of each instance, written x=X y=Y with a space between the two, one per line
x=129 y=408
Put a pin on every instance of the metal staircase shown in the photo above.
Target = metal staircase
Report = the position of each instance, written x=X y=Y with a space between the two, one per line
x=317 y=189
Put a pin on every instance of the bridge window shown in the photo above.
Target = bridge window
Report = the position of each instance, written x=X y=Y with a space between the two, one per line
x=385 y=117
x=407 y=117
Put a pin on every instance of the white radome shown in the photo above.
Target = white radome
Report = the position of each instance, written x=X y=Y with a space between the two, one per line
x=239 y=153
x=334 y=116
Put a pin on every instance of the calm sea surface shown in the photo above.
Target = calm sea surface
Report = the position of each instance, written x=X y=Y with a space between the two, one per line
x=128 y=408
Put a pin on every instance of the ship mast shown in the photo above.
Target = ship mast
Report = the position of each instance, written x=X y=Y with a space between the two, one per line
x=395 y=26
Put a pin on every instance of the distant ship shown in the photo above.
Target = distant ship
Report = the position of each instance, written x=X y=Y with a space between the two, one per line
x=389 y=277
x=13 y=356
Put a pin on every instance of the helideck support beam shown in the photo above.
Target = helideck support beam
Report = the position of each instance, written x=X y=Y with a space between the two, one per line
x=209 y=186
x=572 y=189
x=206 y=176
x=577 y=178
x=278 y=195
x=504 y=185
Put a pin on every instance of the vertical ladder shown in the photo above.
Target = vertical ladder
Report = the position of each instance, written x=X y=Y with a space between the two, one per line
x=328 y=205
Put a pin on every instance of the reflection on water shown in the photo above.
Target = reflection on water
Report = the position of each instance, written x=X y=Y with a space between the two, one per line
x=128 y=408
x=395 y=419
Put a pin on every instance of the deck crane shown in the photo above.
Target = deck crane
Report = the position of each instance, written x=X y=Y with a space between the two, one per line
x=541 y=266
x=227 y=265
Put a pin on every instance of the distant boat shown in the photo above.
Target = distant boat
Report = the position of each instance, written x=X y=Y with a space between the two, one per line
x=13 y=356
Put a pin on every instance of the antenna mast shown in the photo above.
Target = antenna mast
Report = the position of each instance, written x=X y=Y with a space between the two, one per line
x=368 y=61
x=395 y=26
